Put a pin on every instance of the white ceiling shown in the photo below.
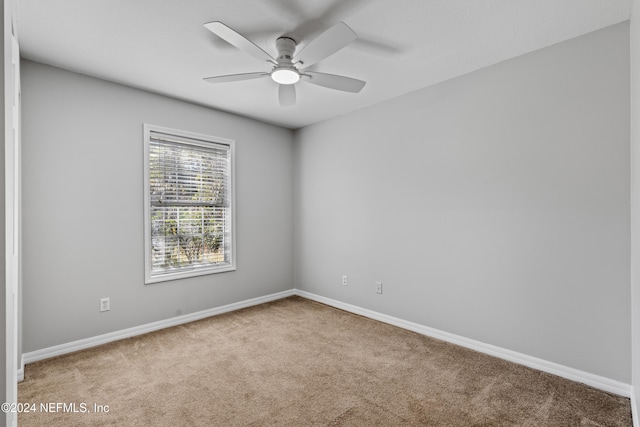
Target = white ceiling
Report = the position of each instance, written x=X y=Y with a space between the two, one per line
x=402 y=45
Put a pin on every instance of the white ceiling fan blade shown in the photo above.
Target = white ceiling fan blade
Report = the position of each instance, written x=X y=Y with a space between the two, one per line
x=287 y=95
x=235 y=77
x=326 y=44
x=236 y=39
x=332 y=81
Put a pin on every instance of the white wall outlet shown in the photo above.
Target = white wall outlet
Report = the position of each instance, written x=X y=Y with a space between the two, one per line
x=378 y=287
x=344 y=280
x=105 y=304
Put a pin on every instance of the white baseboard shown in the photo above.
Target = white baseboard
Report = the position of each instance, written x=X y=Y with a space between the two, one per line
x=58 y=350
x=587 y=378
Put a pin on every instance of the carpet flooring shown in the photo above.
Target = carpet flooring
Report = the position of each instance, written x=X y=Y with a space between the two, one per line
x=294 y=362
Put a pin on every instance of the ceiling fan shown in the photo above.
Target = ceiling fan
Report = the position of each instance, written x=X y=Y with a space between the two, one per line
x=288 y=69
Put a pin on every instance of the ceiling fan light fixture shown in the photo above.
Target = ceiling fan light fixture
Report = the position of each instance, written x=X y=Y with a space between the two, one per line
x=285 y=75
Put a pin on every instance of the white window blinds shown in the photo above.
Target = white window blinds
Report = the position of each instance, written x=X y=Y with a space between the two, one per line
x=189 y=198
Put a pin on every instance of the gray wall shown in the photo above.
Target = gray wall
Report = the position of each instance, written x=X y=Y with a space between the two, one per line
x=83 y=208
x=494 y=206
x=635 y=200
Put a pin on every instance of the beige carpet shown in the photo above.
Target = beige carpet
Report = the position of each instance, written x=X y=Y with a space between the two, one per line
x=294 y=362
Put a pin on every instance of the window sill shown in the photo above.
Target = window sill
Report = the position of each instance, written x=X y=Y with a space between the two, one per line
x=164 y=277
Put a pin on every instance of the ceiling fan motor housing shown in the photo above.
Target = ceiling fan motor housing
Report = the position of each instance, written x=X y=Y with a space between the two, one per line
x=286 y=47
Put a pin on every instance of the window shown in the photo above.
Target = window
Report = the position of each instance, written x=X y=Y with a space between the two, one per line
x=189 y=209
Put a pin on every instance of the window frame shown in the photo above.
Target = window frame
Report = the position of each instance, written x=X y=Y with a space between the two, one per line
x=201 y=140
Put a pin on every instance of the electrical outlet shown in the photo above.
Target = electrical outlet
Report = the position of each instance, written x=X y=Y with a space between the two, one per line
x=378 y=287
x=105 y=304
x=344 y=280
